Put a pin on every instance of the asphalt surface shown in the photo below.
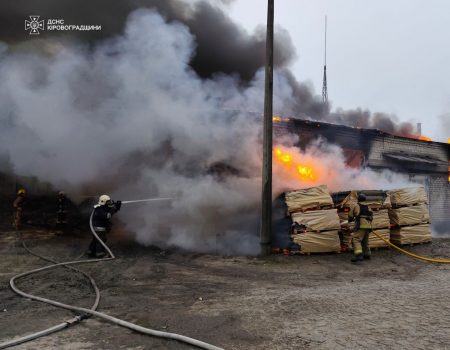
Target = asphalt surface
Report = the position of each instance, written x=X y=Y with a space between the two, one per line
x=278 y=302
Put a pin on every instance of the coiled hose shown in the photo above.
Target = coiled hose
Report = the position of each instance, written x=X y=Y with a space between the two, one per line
x=91 y=311
x=64 y=324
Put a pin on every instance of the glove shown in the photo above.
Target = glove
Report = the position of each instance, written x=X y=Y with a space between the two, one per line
x=118 y=205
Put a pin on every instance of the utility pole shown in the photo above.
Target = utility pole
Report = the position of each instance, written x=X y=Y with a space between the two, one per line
x=324 y=86
x=266 y=212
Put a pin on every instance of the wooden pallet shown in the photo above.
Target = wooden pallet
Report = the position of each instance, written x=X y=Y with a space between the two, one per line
x=396 y=206
x=317 y=253
x=400 y=226
x=304 y=210
x=379 y=208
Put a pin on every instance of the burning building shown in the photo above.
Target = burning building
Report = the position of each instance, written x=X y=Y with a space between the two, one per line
x=422 y=161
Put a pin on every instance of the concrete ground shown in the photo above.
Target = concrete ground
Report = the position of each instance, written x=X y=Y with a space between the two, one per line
x=278 y=302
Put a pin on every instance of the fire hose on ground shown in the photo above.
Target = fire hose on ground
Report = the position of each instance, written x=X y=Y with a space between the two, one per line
x=440 y=261
x=92 y=311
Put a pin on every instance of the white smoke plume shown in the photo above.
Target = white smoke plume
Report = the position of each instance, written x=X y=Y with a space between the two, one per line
x=132 y=117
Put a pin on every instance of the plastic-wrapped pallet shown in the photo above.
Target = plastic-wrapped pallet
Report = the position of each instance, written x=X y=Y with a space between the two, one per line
x=410 y=215
x=314 y=197
x=316 y=220
x=411 y=234
x=350 y=201
x=413 y=215
x=318 y=242
x=380 y=225
x=408 y=196
x=375 y=242
x=380 y=219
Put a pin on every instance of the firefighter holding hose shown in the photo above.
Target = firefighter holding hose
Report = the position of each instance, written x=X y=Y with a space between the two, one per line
x=363 y=216
x=101 y=222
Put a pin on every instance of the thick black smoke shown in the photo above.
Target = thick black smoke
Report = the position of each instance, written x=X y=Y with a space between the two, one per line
x=365 y=119
x=222 y=45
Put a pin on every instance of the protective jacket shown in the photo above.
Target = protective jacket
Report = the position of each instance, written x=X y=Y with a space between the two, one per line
x=362 y=215
x=62 y=204
x=101 y=219
x=18 y=203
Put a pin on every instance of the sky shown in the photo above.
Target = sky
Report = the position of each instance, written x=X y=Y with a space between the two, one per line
x=387 y=56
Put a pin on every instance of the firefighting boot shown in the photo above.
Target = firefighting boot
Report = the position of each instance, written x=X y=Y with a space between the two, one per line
x=357 y=258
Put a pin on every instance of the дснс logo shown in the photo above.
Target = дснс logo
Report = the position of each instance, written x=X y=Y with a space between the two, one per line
x=34 y=25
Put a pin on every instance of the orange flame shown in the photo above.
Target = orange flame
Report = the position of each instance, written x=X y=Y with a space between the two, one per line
x=302 y=171
x=277 y=119
x=424 y=138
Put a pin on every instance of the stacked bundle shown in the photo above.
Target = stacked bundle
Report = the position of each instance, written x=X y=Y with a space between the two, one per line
x=380 y=225
x=315 y=229
x=344 y=207
x=409 y=214
x=309 y=198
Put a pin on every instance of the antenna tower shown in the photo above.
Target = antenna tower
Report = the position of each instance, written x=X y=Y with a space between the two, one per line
x=324 y=86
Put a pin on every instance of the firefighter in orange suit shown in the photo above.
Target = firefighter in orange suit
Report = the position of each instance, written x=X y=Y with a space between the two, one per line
x=18 y=208
x=363 y=216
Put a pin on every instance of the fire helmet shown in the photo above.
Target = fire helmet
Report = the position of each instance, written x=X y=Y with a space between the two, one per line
x=21 y=191
x=361 y=197
x=103 y=199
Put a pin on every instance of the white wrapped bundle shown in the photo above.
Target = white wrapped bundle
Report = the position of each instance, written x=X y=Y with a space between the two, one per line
x=411 y=234
x=318 y=220
x=375 y=242
x=318 y=242
x=417 y=214
x=351 y=200
x=380 y=219
x=308 y=198
x=387 y=202
x=408 y=196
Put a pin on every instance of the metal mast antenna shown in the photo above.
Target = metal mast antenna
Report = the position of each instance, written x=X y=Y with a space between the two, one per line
x=324 y=86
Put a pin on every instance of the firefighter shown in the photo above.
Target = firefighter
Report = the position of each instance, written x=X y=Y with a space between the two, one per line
x=61 y=210
x=363 y=216
x=101 y=222
x=18 y=208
